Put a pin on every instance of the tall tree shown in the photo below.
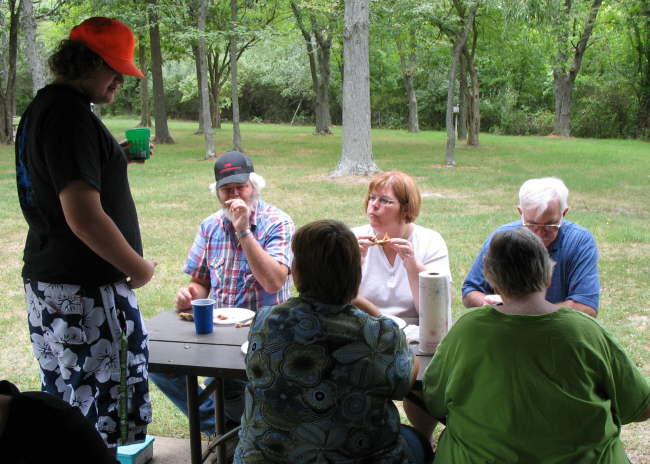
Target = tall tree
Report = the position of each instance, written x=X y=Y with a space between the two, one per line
x=639 y=25
x=472 y=92
x=408 y=64
x=236 y=134
x=143 y=63
x=203 y=82
x=356 y=151
x=8 y=55
x=457 y=48
x=160 y=109
x=316 y=29
x=568 y=60
x=34 y=47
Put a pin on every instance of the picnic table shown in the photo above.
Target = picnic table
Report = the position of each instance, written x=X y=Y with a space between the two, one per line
x=175 y=348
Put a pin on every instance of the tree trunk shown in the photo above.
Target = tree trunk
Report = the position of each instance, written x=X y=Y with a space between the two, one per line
x=319 y=67
x=8 y=94
x=563 y=93
x=459 y=43
x=34 y=48
x=203 y=74
x=408 y=63
x=462 y=117
x=197 y=65
x=473 y=98
x=162 y=134
x=639 y=23
x=356 y=152
x=217 y=74
x=563 y=78
x=234 y=94
x=145 y=112
x=323 y=117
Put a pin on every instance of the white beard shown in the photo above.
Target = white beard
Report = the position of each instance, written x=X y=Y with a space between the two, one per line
x=228 y=213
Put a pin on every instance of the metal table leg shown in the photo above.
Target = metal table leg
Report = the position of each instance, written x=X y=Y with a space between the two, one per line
x=194 y=419
x=220 y=411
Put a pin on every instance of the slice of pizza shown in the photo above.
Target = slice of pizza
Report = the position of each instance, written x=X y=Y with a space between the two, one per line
x=381 y=242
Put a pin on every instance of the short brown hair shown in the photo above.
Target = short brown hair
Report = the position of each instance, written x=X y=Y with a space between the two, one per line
x=517 y=263
x=73 y=60
x=326 y=261
x=405 y=189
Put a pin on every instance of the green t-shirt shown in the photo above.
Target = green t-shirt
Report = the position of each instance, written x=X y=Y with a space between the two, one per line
x=553 y=388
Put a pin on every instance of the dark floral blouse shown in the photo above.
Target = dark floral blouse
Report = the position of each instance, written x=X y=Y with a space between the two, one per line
x=321 y=380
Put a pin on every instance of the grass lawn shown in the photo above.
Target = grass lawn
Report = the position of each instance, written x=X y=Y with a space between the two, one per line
x=609 y=182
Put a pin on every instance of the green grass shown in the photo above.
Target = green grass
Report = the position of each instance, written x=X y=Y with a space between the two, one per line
x=610 y=191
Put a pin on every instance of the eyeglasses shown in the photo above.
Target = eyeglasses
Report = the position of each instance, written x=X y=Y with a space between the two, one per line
x=384 y=201
x=541 y=227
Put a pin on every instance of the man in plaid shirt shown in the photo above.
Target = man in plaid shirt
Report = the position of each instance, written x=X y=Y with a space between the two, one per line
x=241 y=257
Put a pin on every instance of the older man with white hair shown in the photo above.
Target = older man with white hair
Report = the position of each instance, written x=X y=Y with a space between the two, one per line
x=543 y=205
x=241 y=257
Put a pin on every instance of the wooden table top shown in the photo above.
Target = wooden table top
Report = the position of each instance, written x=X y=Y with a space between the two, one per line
x=175 y=347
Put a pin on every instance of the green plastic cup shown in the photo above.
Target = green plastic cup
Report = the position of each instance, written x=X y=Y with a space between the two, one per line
x=139 y=138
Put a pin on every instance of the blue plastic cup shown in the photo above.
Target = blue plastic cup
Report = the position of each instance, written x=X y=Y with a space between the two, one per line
x=203 y=309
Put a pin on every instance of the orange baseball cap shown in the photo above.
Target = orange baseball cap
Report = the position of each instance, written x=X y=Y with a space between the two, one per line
x=112 y=40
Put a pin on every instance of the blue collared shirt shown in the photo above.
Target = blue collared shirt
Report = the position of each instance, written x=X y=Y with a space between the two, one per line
x=575 y=276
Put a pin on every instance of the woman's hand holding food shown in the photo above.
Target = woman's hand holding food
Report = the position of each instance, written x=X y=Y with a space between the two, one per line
x=402 y=247
x=365 y=242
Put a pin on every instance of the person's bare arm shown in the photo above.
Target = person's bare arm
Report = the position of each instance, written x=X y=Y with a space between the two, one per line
x=474 y=299
x=87 y=219
x=366 y=306
x=270 y=274
x=579 y=307
x=197 y=288
x=415 y=370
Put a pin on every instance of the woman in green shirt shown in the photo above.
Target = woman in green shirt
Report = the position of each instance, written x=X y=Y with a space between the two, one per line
x=529 y=381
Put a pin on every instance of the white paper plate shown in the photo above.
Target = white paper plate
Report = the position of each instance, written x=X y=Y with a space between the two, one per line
x=224 y=316
x=244 y=347
x=401 y=323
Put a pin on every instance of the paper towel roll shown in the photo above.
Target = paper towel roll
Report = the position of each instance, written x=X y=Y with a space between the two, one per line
x=435 y=310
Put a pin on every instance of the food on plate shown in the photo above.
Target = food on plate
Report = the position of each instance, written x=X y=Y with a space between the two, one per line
x=381 y=242
x=186 y=316
x=221 y=317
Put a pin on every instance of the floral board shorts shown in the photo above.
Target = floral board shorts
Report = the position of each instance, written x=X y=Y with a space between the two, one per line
x=76 y=333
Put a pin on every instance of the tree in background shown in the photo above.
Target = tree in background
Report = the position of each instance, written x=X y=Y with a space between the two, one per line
x=457 y=48
x=234 y=90
x=356 y=150
x=402 y=19
x=317 y=25
x=143 y=64
x=469 y=93
x=203 y=81
x=639 y=26
x=160 y=108
x=34 y=47
x=10 y=16
x=571 y=47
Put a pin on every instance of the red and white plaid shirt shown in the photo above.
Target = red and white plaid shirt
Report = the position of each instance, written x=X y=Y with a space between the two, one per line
x=216 y=255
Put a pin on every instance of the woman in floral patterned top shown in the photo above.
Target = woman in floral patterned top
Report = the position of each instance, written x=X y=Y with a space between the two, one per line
x=322 y=373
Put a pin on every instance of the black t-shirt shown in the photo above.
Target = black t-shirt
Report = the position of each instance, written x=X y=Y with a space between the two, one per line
x=59 y=140
x=41 y=428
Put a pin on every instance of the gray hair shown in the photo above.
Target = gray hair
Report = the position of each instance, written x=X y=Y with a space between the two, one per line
x=517 y=263
x=535 y=194
x=257 y=182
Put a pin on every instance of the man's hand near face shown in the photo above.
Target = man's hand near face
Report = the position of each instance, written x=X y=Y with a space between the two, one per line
x=240 y=213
